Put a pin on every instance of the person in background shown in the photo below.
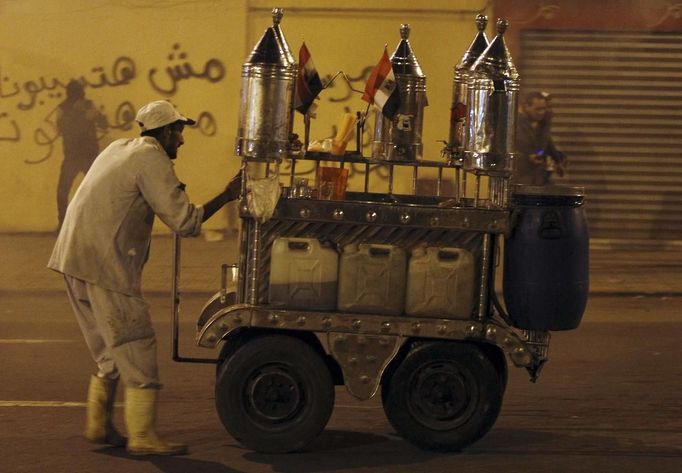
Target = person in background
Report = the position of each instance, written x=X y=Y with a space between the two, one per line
x=538 y=159
x=549 y=113
x=101 y=250
x=77 y=121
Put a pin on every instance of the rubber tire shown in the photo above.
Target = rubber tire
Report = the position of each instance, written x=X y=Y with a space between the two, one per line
x=463 y=376
x=274 y=358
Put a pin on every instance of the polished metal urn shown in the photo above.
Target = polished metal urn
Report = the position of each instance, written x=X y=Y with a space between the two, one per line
x=492 y=96
x=459 y=108
x=267 y=97
x=400 y=138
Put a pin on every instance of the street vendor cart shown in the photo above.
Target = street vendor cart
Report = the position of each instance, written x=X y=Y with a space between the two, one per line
x=380 y=291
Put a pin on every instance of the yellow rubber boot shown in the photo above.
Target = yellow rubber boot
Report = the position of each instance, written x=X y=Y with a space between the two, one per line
x=100 y=404
x=140 y=417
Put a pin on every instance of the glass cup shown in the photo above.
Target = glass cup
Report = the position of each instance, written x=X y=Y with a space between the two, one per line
x=331 y=183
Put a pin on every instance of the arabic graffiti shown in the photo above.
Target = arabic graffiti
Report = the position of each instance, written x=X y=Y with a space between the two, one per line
x=122 y=72
x=213 y=71
x=6 y=134
x=206 y=124
x=123 y=119
x=45 y=137
x=26 y=97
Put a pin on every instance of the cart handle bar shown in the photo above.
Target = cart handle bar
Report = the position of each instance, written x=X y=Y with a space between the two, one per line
x=175 y=310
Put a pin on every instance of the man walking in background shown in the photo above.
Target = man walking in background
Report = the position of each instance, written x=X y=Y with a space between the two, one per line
x=538 y=159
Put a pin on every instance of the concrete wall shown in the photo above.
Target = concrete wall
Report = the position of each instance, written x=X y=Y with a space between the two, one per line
x=129 y=52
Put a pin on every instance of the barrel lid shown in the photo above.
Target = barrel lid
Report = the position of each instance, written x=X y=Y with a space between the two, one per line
x=477 y=46
x=403 y=59
x=548 y=191
x=272 y=48
x=496 y=60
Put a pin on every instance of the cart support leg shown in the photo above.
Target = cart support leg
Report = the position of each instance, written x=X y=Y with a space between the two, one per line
x=485 y=278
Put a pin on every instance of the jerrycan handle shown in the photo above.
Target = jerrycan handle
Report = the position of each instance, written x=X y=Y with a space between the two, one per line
x=298 y=245
x=445 y=255
x=551 y=226
x=378 y=251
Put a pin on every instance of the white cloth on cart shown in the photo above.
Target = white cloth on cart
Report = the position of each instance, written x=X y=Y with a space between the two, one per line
x=262 y=196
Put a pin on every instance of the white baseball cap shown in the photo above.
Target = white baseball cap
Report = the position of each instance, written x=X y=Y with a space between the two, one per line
x=159 y=113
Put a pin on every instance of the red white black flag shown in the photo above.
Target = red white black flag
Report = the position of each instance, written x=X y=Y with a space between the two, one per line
x=382 y=89
x=308 y=83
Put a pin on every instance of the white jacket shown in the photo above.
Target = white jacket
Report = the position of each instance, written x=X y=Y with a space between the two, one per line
x=105 y=237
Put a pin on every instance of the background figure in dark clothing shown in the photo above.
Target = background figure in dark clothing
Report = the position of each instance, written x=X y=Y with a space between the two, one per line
x=538 y=159
x=77 y=121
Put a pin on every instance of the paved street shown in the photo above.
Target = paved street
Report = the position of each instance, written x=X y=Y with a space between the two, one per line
x=608 y=400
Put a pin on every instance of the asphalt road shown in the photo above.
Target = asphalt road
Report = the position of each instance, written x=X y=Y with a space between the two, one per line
x=608 y=401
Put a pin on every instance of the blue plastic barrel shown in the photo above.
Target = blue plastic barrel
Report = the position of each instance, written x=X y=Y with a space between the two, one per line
x=546 y=258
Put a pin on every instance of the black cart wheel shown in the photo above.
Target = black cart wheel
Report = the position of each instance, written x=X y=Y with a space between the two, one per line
x=274 y=394
x=443 y=396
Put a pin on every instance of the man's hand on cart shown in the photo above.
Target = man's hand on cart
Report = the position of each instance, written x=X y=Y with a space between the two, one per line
x=234 y=187
x=231 y=192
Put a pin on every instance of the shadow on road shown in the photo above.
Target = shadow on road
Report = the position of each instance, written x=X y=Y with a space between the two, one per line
x=171 y=464
x=342 y=450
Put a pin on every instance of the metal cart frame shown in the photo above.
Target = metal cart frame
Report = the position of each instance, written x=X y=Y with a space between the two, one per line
x=362 y=349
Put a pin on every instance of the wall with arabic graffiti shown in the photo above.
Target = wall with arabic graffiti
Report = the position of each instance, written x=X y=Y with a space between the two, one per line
x=125 y=54
x=130 y=52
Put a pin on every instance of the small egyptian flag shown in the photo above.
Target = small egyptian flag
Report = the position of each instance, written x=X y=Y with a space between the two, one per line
x=308 y=83
x=382 y=89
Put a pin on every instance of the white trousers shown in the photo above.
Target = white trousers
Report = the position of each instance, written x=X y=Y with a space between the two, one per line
x=118 y=331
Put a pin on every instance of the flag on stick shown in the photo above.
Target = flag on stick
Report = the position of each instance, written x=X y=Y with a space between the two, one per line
x=308 y=83
x=382 y=89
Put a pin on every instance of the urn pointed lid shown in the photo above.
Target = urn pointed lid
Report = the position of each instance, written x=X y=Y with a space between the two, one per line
x=477 y=46
x=403 y=59
x=272 y=48
x=496 y=61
